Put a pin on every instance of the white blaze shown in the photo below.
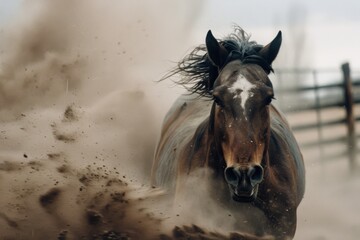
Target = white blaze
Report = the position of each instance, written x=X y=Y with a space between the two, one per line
x=243 y=86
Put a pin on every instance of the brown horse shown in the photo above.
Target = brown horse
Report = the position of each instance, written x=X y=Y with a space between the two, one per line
x=227 y=123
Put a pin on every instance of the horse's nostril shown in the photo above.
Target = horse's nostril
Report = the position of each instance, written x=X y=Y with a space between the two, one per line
x=256 y=174
x=247 y=176
x=232 y=176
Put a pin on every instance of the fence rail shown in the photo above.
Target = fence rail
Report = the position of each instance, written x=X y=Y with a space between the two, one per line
x=344 y=100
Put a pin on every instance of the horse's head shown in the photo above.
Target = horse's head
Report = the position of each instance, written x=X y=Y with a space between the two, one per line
x=240 y=117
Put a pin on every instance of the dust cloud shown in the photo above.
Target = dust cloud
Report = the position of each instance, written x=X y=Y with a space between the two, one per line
x=82 y=50
x=80 y=112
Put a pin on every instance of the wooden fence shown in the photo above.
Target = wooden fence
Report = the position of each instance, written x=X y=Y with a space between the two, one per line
x=322 y=101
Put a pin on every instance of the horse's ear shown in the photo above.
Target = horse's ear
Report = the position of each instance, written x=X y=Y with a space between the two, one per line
x=216 y=53
x=270 y=51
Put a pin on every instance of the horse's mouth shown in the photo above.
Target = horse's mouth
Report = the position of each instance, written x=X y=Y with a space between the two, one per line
x=243 y=198
x=240 y=196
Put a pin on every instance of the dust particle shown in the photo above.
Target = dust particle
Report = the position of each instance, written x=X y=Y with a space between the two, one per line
x=69 y=114
x=62 y=235
x=9 y=221
x=53 y=156
x=93 y=217
x=63 y=169
x=63 y=137
x=50 y=197
x=9 y=166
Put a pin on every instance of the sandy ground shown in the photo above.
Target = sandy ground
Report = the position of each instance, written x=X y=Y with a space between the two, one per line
x=79 y=119
x=329 y=209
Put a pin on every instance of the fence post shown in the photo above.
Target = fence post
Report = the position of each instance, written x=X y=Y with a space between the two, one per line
x=350 y=120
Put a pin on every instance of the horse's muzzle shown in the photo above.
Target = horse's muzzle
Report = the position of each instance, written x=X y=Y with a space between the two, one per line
x=243 y=182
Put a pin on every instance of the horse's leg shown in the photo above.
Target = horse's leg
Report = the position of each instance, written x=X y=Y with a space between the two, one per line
x=282 y=223
x=280 y=211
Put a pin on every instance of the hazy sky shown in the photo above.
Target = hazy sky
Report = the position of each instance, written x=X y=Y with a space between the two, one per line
x=267 y=13
x=8 y=9
x=329 y=30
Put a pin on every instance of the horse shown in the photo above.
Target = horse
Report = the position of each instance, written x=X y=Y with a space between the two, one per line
x=226 y=123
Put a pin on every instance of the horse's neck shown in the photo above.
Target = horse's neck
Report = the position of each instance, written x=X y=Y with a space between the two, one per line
x=215 y=159
x=214 y=154
x=201 y=149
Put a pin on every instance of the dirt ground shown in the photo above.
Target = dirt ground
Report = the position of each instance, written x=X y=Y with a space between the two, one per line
x=329 y=209
x=80 y=114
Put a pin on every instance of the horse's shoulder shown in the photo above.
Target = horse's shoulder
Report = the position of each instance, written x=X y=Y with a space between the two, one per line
x=281 y=134
x=187 y=109
x=284 y=150
x=179 y=126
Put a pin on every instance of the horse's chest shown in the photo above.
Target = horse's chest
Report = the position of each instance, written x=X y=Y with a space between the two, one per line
x=248 y=218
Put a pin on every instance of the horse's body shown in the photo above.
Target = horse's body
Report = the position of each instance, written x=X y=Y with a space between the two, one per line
x=240 y=136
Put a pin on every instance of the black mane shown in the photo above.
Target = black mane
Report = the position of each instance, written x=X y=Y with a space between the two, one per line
x=197 y=71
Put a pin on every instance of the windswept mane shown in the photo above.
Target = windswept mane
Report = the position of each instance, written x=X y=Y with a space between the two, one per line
x=197 y=72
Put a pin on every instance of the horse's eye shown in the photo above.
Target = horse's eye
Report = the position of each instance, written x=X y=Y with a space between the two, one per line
x=269 y=99
x=218 y=101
